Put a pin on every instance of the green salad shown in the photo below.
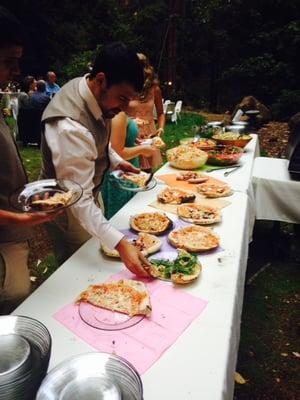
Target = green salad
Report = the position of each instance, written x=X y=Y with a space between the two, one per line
x=184 y=263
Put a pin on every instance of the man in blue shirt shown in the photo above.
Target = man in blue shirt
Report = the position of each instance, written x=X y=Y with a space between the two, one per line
x=51 y=86
x=39 y=100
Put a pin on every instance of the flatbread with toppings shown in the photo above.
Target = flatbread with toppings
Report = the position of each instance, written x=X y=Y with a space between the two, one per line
x=57 y=200
x=151 y=222
x=194 y=238
x=191 y=177
x=141 y=179
x=214 y=190
x=199 y=214
x=184 y=269
x=126 y=296
x=175 y=196
x=146 y=243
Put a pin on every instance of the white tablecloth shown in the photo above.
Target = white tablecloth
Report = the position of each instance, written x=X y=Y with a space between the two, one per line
x=277 y=196
x=201 y=363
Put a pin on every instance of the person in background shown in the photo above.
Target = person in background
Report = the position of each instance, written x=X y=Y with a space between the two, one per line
x=124 y=133
x=251 y=103
x=51 y=86
x=14 y=227
x=28 y=86
x=142 y=110
x=75 y=145
x=39 y=100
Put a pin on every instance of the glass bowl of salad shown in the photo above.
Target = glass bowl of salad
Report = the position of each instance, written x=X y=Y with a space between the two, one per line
x=224 y=155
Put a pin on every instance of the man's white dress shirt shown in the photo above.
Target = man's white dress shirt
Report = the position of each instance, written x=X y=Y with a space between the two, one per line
x=74 y=153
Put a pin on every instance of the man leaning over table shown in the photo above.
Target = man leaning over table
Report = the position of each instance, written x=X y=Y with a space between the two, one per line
x=14 y=227
x=75 y=145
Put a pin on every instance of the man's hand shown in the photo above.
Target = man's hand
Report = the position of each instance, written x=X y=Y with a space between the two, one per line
x=127 y=167
x=133 y=258
x=26 y=219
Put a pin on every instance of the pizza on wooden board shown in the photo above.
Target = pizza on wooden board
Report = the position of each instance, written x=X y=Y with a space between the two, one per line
x=214 y=190
x=192 y=177
x=184 y=269
x=126 y=296
x=145 y=242
x=175 y=196
x=194 y=238
x=199 y=214
x=151 y=222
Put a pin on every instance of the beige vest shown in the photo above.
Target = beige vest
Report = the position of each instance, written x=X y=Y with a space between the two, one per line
x=69 y=103
x=12 y=177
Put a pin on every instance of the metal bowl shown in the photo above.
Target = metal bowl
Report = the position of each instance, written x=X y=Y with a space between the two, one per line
x=235 y=128
x=214 y=124
x=93 y=373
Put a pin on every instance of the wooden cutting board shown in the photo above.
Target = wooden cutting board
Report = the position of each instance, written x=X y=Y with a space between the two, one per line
x=170 y=180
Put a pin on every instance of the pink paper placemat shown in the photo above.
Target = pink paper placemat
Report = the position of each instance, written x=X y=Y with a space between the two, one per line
x=173 y=310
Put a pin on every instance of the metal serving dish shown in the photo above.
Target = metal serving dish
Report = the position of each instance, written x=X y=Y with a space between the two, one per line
x=24 y=198
x=92 y=376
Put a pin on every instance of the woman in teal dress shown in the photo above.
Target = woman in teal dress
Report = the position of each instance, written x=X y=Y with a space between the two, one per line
x=124 y=132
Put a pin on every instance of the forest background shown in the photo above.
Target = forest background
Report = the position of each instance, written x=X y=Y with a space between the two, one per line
x=209 y=53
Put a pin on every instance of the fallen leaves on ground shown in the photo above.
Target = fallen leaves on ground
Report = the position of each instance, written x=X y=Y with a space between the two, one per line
x=239 y=379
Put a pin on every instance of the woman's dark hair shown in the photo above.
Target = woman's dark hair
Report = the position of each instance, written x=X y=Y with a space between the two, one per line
x=120 y=64
x=11 y=30
x=25 y=84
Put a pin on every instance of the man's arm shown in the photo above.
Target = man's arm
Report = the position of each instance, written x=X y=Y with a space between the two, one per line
x=25 y=219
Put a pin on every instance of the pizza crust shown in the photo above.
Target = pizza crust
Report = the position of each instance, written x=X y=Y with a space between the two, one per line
x=194 y=238
x=152 y=222
x=175 y=196
x=146 y=243
x=199 y=214
x=141 y=179
x=192 y=177
x=126 y=296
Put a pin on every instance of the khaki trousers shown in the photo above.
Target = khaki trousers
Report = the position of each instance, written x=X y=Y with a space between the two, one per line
x=14 y=274
x=67 y=235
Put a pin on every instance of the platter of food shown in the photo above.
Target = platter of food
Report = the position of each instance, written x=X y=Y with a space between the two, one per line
x=145 y=242
x=232 y=139
x=154 y=223
x=199 y=143
x=172 y=195
x=224 y=155
x=199 y=214
x=194 y=238
x=214 y=190
x=47 y=195
x=184 y=269
x=114 y=305
x=133 y=182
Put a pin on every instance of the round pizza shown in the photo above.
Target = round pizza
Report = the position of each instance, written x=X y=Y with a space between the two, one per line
x=146 y=243
x=199 y=214
x=151 y=222
x=175 y=196
x=194 y=238
x=191 y=177
x=214 y=190
x=184 y=269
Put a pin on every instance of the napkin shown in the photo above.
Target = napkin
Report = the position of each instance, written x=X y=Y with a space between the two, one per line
x=173 y=310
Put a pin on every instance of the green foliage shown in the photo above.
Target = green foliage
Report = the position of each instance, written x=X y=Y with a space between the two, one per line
x=32 y=161
x=287 y=104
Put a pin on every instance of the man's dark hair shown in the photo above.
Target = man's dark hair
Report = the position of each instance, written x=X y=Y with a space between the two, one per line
x=120 y=64
x=11 y=30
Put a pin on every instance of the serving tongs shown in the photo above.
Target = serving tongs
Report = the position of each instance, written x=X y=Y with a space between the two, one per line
x=225 y=167
x=149 y=178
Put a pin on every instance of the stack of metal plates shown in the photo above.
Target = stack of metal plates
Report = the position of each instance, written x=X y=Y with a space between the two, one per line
x=25 y=346
x=92 y=376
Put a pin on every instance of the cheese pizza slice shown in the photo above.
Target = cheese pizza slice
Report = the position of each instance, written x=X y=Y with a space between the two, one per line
x=126 y=296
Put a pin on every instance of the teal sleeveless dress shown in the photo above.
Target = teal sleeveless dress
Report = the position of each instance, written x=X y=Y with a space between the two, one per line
x=114 y=199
